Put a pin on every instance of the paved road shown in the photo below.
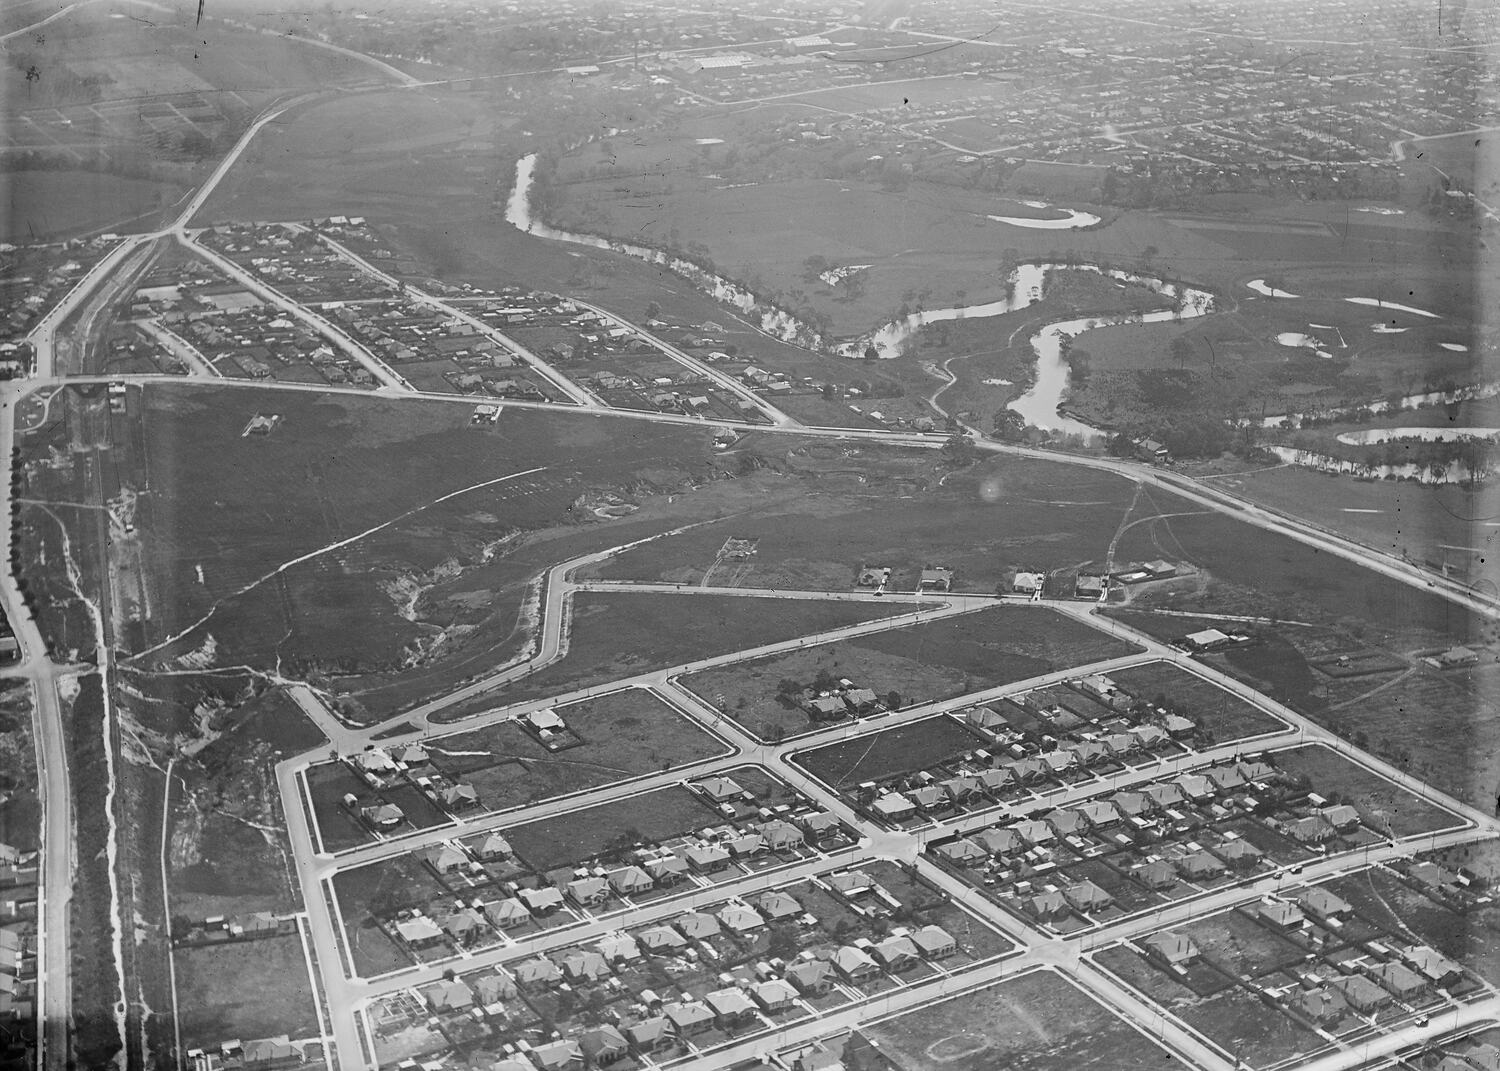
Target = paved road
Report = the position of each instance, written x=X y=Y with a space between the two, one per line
x=55 y=891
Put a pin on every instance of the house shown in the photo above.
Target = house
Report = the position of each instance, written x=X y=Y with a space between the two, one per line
x=463 y=924
x=731 y=1007
x=587 y=892
x=1034 y=832
x=1086 y=586
x=706 y=858
x=660 y=939
x=1195 y=787
x=1432 y=965
x=1175 y=950
x=998 y=841
x=1281 y=913
x=1099 y=814
x=1049 y=906
x=1363 y=995
x=689 y=1018
x=1399 y=980
x=818 y=824
x=872 y=576
x=1342 y=817
x=1237 y=854
x=781 y=836
x=1087 y=898
x=1163 y=794
x=459 y=797
x=373 y=762
x=618 y=948
x=774 y=995
x=894 y=807
x=861 y=700
x=739 y=919
x=1152 y=451
x=1323 y=1005
x=1324 y=905
x=1149 y=736
x=270 y=1050
x=1200 y=866
x=584 y=966
x=419 y=932
x=777 y=905
x=651 y=1036
x=936 y=578
x=1028 y=583
x=492 y=846
x=721 y=789
x=850 y=883
x=1455 y=658
x=812 y=977
x=1066 y=822
x=493 y=988
x=962 y=852
x=628 y=880
x=450 y=994
x=1157 y=874
x=603 y=1045
x=934 y=942
x=411 y=756
x=1132 y=804
x=542 y=901
x=993 y=781
x=696 y=926
x=746 y=845
x=557 y=1055
x=855 y=964
x=826 y=708
x=445 y=858
x=1027 y=770
x=1209 y=639
x=960 y=789
x=667 y=870
x=986 y=720
x=382 y=815
x=896 y=954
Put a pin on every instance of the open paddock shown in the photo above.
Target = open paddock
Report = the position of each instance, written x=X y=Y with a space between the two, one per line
x=624 y=734
x=1340 y=779
x=1040 y=1018
x=244 y=989
x=887 y=754
x=569 y=838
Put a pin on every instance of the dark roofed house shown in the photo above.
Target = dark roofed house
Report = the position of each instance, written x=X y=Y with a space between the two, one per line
x=1323 y=1005
x=1363 y=995
x=652 y=1035
x=813 y=977
x=1402 y=982
x=1087 y=898
x=603 y=1045
x=896 y=954
x=1171 y=948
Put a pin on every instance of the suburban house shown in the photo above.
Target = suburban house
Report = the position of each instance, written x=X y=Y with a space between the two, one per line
x=542 y=901
x=667 y=870
x=584 y=966
x=777 y=905
x=459 y=797
x=739 y=919
x=697 y=926
x=774 y=995
x=589 y=891
x=492 y=847
x=731 y=1007
x=1322 y=1005
x=660 y=939
x=445 y=858
x=850 y=883
x=1324 y=905
x=419 y=932
x=557 y=1056
x=689 y=1018
x=936 y=578
x=854 y=963
x=630 y=879
x=1157 y=874
x=1282 y=913
x=706 y=858
x=603 y=1045
x=651 y=1036
x=1175 y=950
x=934 y=942
x=896 y=953
x=962 y=852
x=450 y=994
x=1087 y=898
x=813 y=977
x=618 y=948
x=1363 y=995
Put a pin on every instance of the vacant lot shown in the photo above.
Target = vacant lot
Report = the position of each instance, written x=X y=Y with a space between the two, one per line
x=936 y=660
x=622 y=634
x=570 y=838
x=1241 y=1024
x=249 y=989
x=887 y=754
x=327 y=785
x=624 y=734
x=1039 y=1021
x=51 y=204
x=1223 y=715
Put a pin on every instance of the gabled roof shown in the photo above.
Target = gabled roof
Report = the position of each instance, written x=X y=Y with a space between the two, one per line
x=696 y=924
x=1175 y=948
x=852 y=960
x=777 y=904
x=931 y=939
x=659 y=937
x=739 y=918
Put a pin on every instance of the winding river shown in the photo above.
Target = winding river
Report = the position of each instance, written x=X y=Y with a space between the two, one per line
x=1039 y=405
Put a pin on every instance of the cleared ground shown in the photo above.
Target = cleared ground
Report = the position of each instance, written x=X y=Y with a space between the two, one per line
x=248 y=989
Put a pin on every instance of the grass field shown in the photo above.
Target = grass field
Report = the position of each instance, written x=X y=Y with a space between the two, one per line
x=934 y=660
x=20 y=809
x=1221 y=714
x=1039 y=1019
x=622 y=634
x=249 y=989
x=51 y=204
x=1000 y=515
x=624 y=734
x=583 y=834
x=889 y=753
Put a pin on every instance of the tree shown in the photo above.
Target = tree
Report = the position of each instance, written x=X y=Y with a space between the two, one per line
x=959 y=450
x=653 y=310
